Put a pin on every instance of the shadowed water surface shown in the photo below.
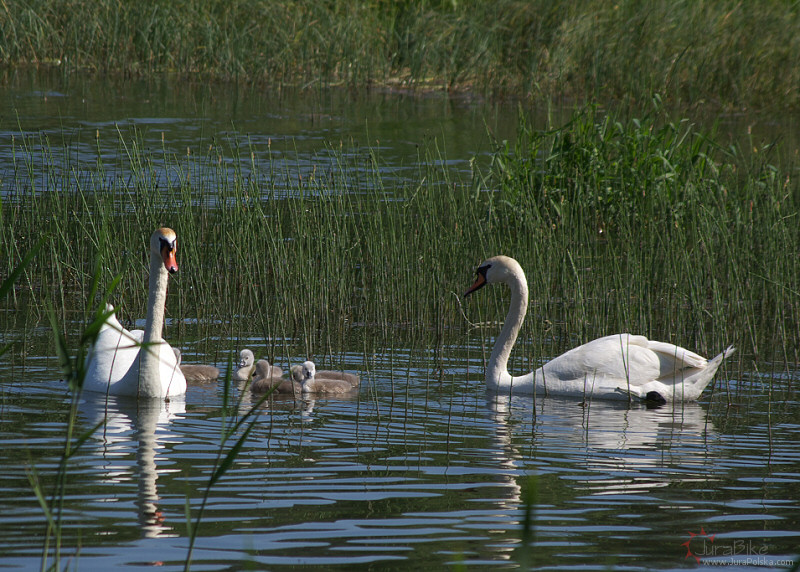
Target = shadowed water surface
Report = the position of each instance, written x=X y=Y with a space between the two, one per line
x=403 y=475
x=275 y=138
x=52 y=125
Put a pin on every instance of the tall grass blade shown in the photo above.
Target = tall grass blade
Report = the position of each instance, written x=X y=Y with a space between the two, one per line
x=64 y=360
x=11 y=279
x=222 y=464
x=14 y=275
x=230 y=457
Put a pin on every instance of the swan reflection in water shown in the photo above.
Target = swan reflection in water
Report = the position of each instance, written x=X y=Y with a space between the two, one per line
x=291 y=402
x=588 y=453
x=141 y=424
x=609 y=447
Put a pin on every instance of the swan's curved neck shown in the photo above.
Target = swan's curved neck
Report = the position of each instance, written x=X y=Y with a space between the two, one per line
x=149 y=379
x=156 y=299
x=497 y=371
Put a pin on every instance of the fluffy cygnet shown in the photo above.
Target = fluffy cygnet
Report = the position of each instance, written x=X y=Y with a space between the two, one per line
x=267 y=376
x=306 y=375
x=350 y=378
x=196 y=372
x=246 y=366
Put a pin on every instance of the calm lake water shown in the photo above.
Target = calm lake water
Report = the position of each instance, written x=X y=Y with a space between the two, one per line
x=275 y=134
x=410 y=473
x=419 y=469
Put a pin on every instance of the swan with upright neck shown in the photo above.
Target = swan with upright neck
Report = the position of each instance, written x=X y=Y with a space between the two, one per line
x=139 y=363
x=619 y=366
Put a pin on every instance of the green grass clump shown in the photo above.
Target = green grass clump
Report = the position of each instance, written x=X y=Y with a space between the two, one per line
x=719 y=52
x=650 y=225
x=642 y=225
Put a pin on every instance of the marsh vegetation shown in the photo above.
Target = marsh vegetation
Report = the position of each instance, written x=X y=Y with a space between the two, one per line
x=718 y=53
x=626 y=217
x=645 y=225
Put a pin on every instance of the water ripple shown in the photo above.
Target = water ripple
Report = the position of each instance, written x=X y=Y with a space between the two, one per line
x=429 y=482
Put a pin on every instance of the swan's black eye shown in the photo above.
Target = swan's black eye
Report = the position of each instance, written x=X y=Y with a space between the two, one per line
x=165 y=244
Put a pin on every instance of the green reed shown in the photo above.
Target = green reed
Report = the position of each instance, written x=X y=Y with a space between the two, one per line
x=653 y=227
x=644 y=225
x=719 y=52
x=52 y=504
x=222 y=464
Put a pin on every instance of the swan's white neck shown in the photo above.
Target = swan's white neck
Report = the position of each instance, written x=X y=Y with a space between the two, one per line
x=149 y=377
x=497 y=370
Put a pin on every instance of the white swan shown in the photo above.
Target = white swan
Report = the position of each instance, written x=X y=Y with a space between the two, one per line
x=267 y=376
x=612 y=367
x=195 y=372
x=305 y=375
x=246 y=366
x=115 y=364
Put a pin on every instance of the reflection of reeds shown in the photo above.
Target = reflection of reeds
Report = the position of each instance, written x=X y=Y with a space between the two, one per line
x=643 y=226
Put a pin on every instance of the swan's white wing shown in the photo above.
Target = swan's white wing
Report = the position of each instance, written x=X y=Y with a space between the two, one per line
x=173 y=382
x=680 y=357
x=113 y=365
x=624 y=359
x=112 y=356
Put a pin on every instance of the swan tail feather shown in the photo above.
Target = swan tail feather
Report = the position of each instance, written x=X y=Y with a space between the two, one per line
x=710 y=372
x=689 y=358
